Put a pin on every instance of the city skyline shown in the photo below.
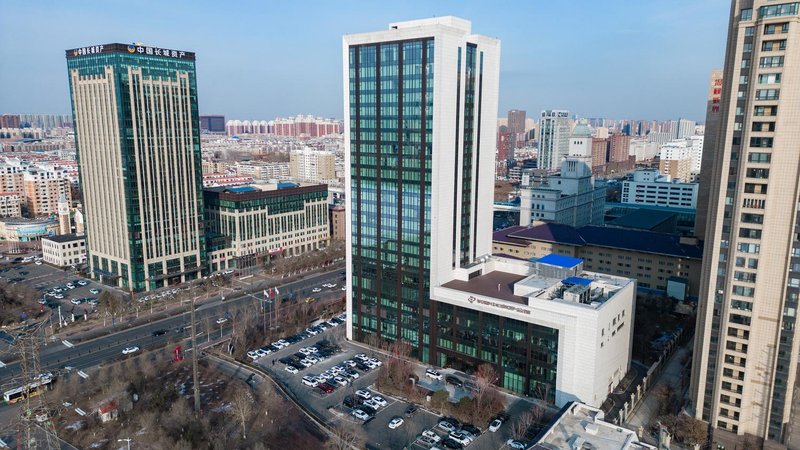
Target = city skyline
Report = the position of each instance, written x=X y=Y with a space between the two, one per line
x=274 y=79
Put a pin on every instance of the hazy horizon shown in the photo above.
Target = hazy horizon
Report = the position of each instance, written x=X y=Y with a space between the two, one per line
x=637 y=60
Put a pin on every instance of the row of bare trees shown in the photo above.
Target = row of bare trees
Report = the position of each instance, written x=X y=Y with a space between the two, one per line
x=235 y=415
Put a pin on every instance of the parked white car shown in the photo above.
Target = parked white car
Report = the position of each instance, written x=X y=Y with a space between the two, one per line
x=363 y=394
x=359 y=414
x=433 y=374
x=396 y=422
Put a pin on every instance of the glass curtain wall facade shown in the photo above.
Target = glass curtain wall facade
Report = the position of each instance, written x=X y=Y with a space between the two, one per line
x=138 y=148
x=525 y=353
x=391 y=128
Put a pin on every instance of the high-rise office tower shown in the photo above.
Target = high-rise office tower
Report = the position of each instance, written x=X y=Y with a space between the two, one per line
x=137 y=133
x=553 y=139
x=516 y=126
x=746 y=346
x=420 y=117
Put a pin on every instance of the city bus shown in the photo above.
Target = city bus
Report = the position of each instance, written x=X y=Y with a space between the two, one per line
x=32 y=389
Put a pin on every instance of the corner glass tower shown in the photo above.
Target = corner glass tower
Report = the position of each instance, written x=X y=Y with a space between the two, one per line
x=416 y=171
x=137 y=133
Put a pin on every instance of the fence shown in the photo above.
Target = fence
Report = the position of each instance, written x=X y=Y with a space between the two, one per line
x=653 y=372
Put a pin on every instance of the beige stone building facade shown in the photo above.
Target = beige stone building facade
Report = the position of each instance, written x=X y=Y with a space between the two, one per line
x=746 y=344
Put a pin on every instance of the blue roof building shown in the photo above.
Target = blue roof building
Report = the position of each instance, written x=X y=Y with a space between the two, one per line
x=652 y=258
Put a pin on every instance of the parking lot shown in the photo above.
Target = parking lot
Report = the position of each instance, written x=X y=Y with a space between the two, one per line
x=44 y=278
x=333 y=406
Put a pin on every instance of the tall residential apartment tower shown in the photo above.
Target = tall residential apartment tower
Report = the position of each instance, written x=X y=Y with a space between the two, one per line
x=137 y=132
x=420 y=118
x=746 y=346
x=554 y=133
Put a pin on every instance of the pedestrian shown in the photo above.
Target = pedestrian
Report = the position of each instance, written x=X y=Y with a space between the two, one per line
x=273 y=362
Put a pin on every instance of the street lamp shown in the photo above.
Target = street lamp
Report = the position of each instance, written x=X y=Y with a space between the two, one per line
x=128 y=440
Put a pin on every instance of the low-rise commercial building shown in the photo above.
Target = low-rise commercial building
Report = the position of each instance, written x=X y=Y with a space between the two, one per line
x=64 y=250
x=580 y=426
x=25 y=230
x=558 y=332
x=649 y=187
x=267 y=219
x=654 y=259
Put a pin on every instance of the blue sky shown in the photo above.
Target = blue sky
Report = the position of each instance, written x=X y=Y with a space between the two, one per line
x=257 y=60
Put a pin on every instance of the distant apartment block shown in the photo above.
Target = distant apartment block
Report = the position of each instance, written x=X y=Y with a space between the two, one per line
x=212 y=124
x=10 y=204
x=12 y=179
x=676 y=169
x=554 y=131
x=43 y=188
x=619 y=147
x=688 y=148
x=219 y=179
x=312 y=165
x=9 y=121
x=649 y=187
x=599 y=151
x=642 y=150
x=299 y=126
x=260 y=171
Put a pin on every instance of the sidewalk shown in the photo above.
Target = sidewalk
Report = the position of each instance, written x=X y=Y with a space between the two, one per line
x=648 y=408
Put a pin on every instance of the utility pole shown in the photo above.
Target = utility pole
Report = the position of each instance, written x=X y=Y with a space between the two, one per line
x=195 y=376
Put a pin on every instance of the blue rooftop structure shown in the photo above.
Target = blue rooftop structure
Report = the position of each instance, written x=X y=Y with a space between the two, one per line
x=566 y=262
x=577 y=280
x=242 y=189
x=287 y=184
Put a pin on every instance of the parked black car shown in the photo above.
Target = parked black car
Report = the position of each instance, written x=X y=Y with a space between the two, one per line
x=351 y=401
x=411 y=410
x=450 y=443
x=450 y=379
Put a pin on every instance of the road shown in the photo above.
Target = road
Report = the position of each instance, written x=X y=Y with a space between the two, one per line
x=96 y=351
x=648 y=408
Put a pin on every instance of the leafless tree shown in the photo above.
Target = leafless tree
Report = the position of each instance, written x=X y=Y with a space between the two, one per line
x=487 y=401
x=520 y=427
x=345 y=437
x=241 y=408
